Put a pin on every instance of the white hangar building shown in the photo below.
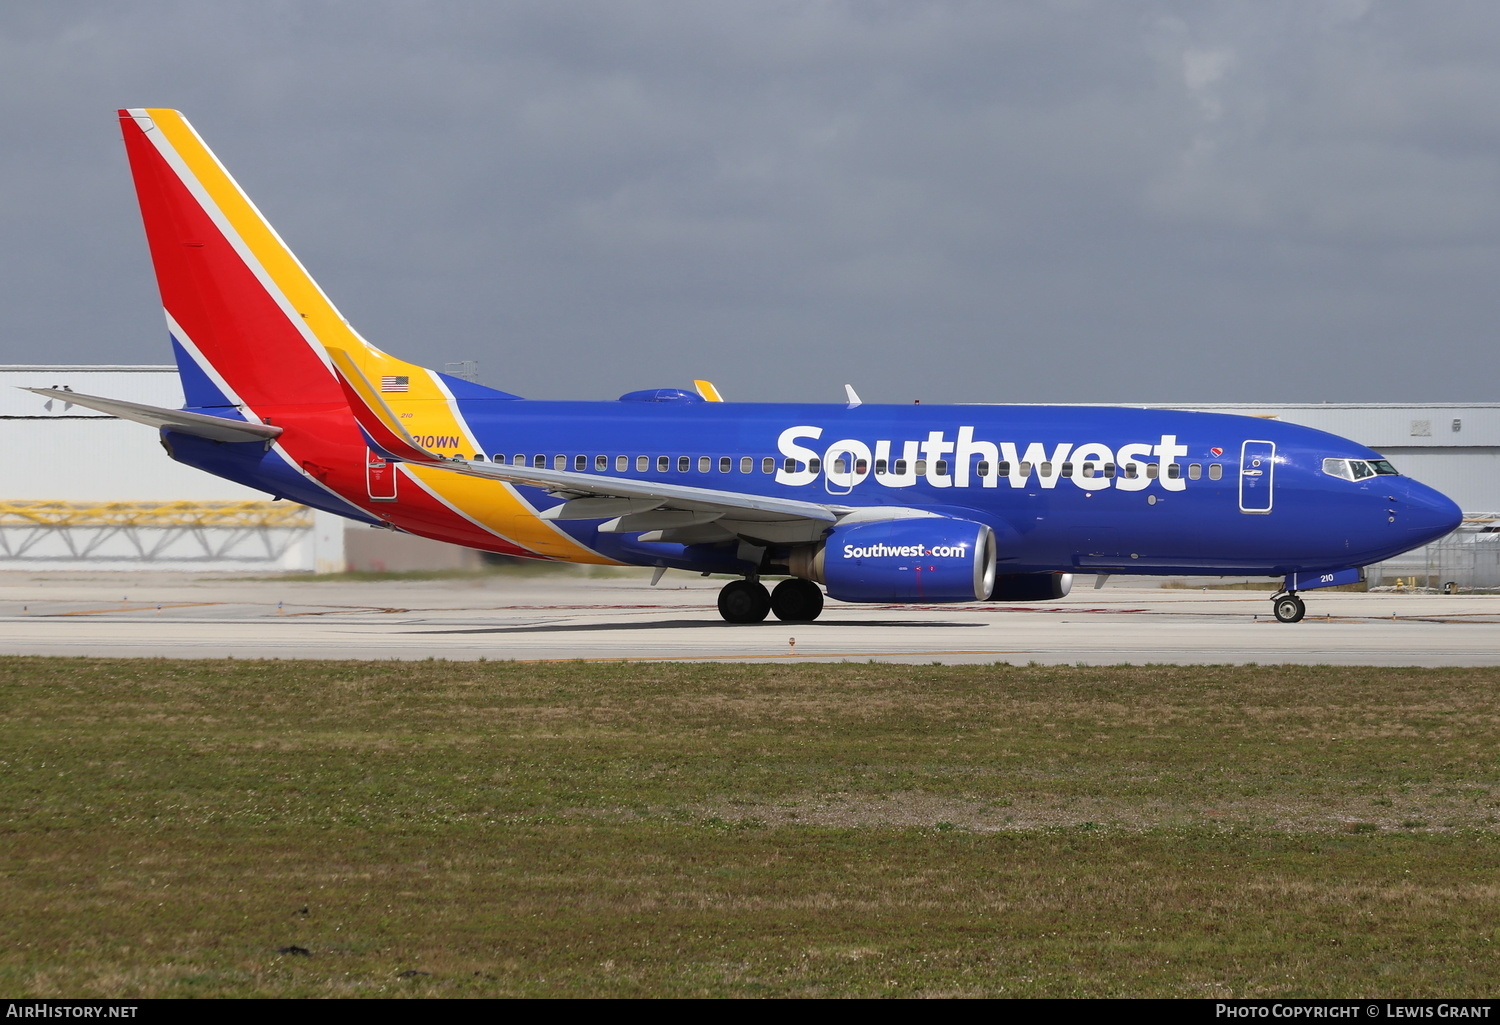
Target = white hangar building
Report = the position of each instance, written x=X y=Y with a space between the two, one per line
x=86 y=491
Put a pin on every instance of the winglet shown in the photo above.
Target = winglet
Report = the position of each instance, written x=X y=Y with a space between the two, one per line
x=854 y=399
x=381 y=427
x=708 y=391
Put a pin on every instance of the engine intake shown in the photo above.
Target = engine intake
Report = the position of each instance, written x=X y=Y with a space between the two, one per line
x=925 y=559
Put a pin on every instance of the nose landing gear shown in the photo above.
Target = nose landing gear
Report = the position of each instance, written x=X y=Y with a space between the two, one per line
x=1288 y=608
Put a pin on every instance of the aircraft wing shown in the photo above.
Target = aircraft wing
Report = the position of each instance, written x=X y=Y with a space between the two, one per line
x=660 y=511
x=667 y=512
x=203 y=425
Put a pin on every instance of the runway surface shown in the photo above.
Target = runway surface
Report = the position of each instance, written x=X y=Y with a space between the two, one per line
x=573 y=617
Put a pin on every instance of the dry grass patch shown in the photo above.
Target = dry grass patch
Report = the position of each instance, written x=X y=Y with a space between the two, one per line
x=461 y=829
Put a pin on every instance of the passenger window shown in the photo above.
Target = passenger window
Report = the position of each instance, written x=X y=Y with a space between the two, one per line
x=942 y=467
x=1215 y=471
x=861 y=466
x=518 y=460
x=841 y=465
x=1025 y=471
x=983 y=469
x=1087 y=470
x=880 y=467
x=642 y=464
x=1109 y=469
x=1002 y=468
x=790 y=465
x=622 y=463
x=815 y=465
x=1067 y=469
x=559 y=462
x=601 y=462
x=705 y=464
x=580 y=462
x=663 y=464
x=725 y=464
x=1174 y=471
x=1045 y=468
x=1132 y=471
x=768 y=465
x=921 y=467
x=900 y=470
x=539 y=461
x=1195 y=470
x=684 y=464
x=747 y=464
x=1153 y=470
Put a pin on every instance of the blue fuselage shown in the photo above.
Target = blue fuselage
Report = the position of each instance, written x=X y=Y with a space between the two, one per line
x=1092 y=489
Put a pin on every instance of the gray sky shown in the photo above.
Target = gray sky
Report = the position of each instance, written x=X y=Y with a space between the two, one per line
x=965 y=201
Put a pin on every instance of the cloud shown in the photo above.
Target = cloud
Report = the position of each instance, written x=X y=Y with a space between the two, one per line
x=956 y=200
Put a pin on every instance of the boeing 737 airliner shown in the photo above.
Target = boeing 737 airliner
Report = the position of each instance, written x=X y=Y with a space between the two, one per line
x=874 y=503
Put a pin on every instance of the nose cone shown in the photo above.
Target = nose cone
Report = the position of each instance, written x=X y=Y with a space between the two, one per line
x=1423 y=514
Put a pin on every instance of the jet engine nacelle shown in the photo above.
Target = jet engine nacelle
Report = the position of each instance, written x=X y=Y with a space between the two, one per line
x=1031 y=586
x=925 y=559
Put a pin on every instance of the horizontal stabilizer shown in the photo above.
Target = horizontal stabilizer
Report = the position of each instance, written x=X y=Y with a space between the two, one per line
x=202 y=425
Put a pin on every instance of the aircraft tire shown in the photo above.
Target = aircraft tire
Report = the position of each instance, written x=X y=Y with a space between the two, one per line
x=744 y=601
x=797 y=601
x=1289 y=609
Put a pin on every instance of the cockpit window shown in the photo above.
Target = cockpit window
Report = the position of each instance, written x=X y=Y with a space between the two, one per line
x=1337 y=468
x=1358 y=469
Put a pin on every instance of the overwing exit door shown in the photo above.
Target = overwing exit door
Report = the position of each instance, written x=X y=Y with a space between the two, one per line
x=1257 y=475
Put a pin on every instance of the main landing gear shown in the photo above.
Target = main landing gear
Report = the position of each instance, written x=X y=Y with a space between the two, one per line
x=747 y=601
x=1288 y=608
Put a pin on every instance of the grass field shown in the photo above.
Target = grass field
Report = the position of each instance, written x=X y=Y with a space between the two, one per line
x=432 y=829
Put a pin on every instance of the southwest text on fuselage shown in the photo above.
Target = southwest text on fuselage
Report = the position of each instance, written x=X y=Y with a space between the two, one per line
x=958 y=463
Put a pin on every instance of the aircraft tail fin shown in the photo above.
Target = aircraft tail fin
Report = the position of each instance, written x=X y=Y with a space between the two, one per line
x=248 y=323
x=250 y=327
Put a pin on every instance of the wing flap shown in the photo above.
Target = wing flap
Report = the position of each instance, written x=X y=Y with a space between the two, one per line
x=666 y=496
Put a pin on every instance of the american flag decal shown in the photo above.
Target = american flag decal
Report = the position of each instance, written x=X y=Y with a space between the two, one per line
x=398 y=384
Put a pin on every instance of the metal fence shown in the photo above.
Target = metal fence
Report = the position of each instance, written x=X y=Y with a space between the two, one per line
x=149 y=534
x=1467 y=560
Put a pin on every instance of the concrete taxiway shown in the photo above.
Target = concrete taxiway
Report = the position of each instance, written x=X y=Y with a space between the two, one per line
x=573 y=617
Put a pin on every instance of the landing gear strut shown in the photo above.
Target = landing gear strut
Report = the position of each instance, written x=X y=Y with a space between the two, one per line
x=1288 y=608
x=744 y=601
